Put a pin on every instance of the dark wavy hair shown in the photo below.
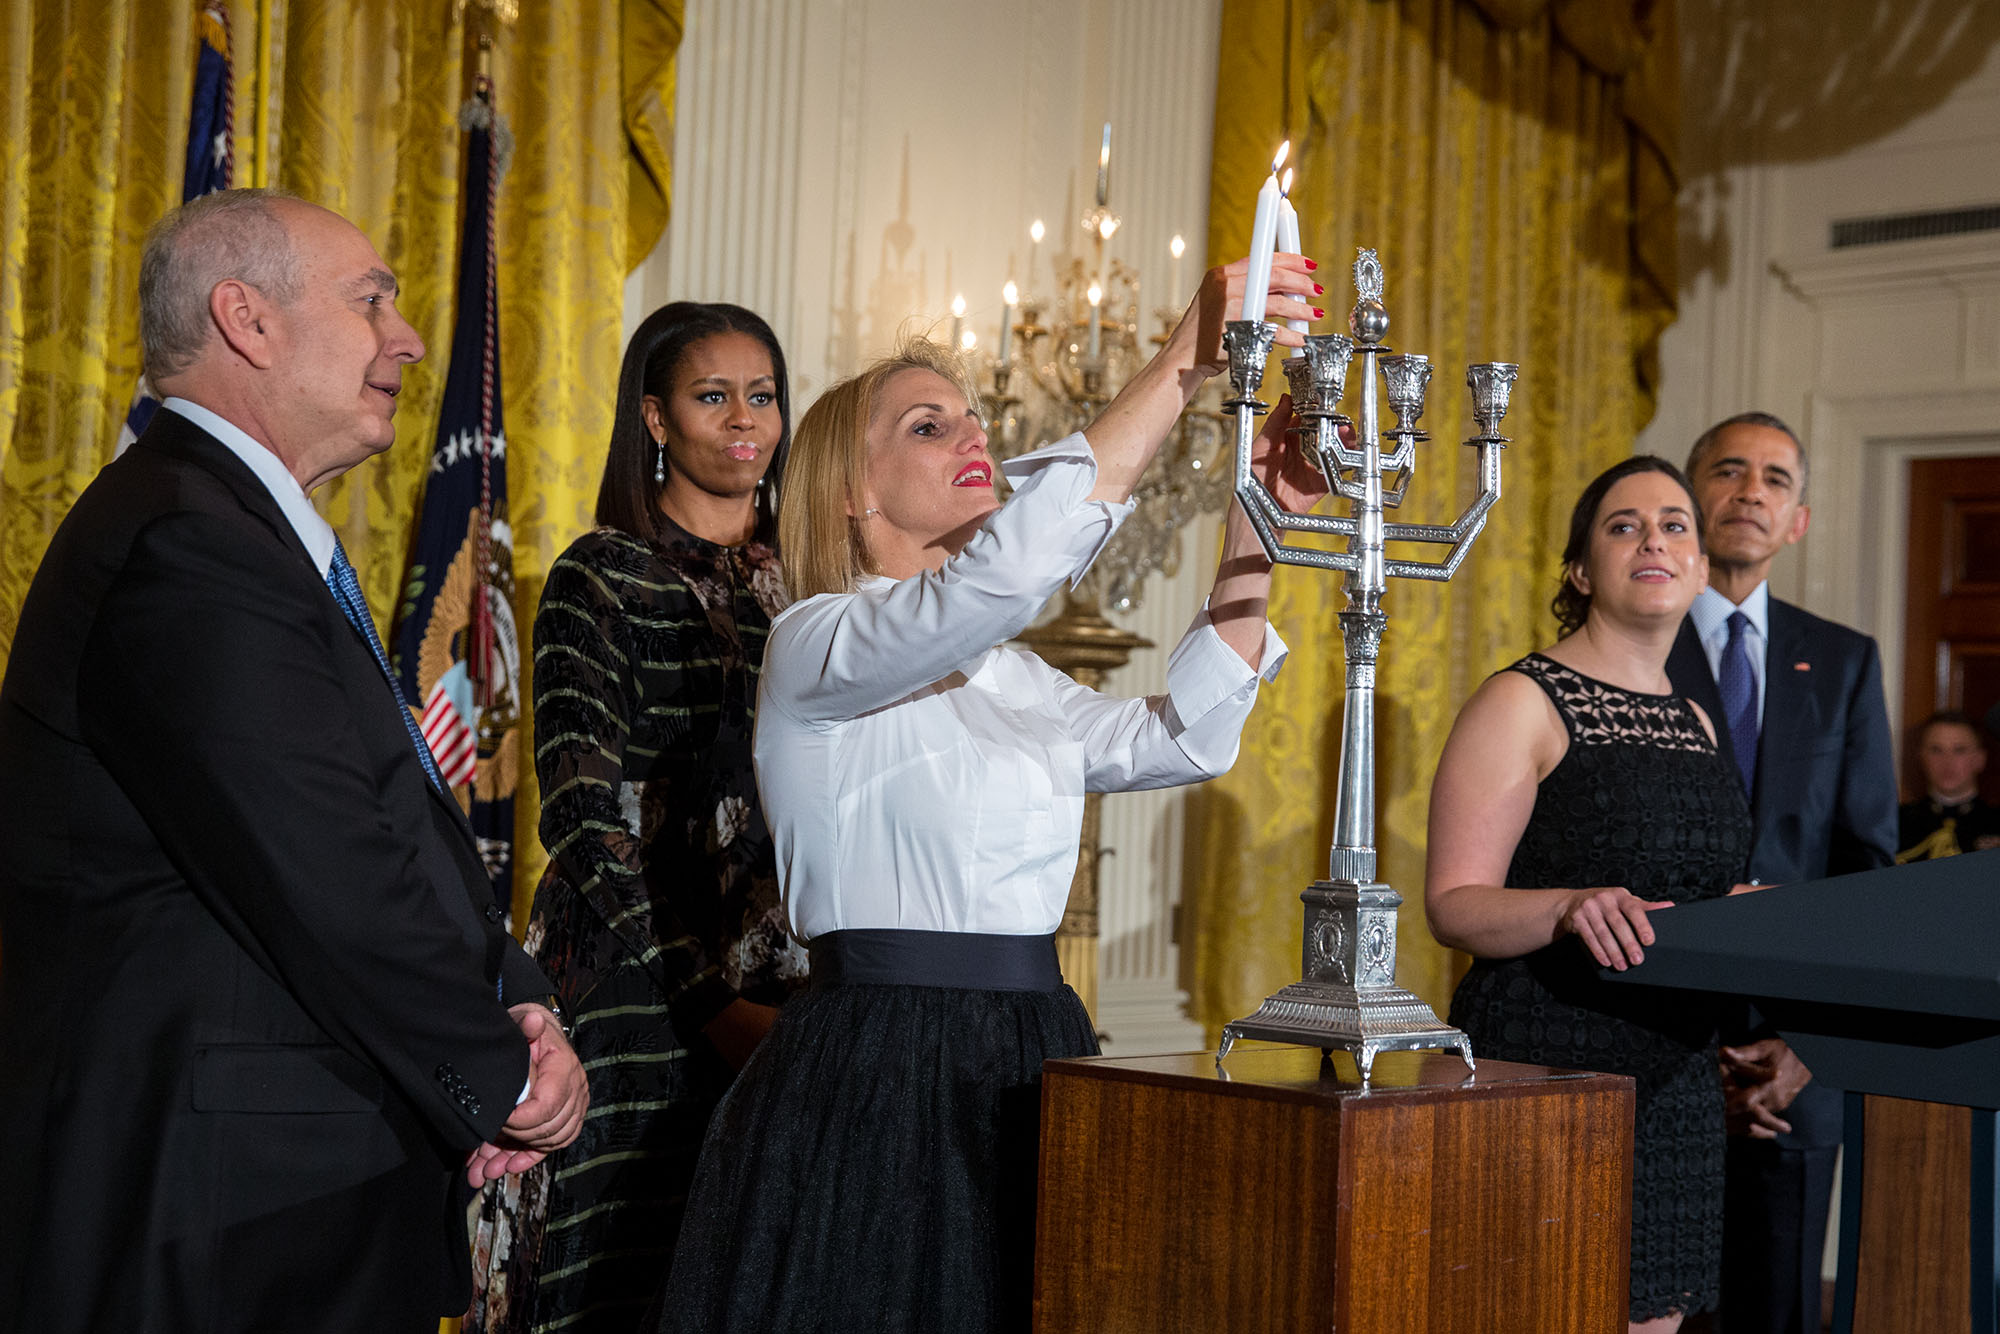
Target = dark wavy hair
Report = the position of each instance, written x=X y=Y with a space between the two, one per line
x=628 y=498
x=1571 y=604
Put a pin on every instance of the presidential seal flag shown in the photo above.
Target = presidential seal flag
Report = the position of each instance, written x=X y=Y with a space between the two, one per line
x=211 y=161
x=455 y=649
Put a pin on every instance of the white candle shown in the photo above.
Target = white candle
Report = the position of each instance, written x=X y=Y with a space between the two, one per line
x=957 y=317
x=1012 y=296
x=1176 y=248
x=1104 y=168
x=1263 y=236
x=1035 y=234
x=1096 y=295
x=1288 y=235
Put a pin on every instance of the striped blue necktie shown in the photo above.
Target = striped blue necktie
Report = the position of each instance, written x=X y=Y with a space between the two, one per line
x=347 y=592
x=1739 y=700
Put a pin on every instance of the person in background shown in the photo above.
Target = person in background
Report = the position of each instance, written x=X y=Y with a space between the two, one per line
x=1577 y=794
x=874 y=1166
x=658 y=919
x=1799 y=711
x=260 y=1033
x=1949 y=818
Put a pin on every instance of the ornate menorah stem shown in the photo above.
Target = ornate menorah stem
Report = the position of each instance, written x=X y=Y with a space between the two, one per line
x=1347 y=996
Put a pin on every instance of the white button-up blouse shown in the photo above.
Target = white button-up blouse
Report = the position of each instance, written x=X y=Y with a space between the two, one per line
x=916 y=776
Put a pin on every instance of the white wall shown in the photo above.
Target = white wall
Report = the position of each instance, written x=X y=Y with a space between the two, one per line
x=1807 y=113
x=842 y=166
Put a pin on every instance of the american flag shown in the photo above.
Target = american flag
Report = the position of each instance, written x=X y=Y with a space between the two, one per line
x=211 y=161
x=455 y=646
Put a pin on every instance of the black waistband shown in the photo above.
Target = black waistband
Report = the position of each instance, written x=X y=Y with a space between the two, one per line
x=935 y=959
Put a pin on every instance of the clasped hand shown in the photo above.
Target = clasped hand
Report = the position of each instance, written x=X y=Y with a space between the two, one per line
x=552 y=1113
x=1759 y=1080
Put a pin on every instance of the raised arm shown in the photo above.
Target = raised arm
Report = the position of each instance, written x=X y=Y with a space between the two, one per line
x=1506 y=740
x=1128 y=432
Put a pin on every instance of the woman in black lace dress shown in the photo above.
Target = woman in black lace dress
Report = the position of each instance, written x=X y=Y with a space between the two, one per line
x=1578 y=794
x=658 y=920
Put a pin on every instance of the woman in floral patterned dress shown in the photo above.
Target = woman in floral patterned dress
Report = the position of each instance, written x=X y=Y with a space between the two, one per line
x=658 y=919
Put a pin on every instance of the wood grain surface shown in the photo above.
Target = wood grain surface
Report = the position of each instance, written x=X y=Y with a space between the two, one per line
x=1282 y=1194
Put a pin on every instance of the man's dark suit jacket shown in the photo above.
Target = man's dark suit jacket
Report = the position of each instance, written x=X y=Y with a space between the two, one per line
x=1825 y=802
x=254 y=1019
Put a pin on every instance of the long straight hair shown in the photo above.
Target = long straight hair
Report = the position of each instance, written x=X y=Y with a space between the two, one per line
x=628 y=498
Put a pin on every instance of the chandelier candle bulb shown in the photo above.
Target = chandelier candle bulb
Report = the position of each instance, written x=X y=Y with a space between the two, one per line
x=1035 y=234
x=1012 y=296
x=1176 y=248
x=1263 y=240
x=1104 y=168
x=957 y=317
x=1096 y=296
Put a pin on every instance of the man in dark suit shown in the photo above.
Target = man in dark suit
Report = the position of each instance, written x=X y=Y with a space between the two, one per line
x=260 y=1036
x=1798 y=709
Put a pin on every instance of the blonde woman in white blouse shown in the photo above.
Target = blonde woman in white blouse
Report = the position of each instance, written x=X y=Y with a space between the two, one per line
x=874 y=1165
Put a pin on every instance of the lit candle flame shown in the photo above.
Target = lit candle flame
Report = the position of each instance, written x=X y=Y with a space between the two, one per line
x=1036 y=231
x=1105 y=227
x=958 y=306
x=1011 y=294
x=1285 y=185
x=1284 y=150
x=968 y=340
x=1177 y=246
x=1096 y=294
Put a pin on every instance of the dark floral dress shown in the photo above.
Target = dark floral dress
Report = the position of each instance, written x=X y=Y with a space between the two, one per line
x=660 y=907
x=1640 y=799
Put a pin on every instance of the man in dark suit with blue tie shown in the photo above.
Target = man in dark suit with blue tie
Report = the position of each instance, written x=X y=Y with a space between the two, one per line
x=261 y=1036
x=1800 y=713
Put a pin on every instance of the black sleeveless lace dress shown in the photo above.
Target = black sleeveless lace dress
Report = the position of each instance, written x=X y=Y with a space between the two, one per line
x=1641 y=799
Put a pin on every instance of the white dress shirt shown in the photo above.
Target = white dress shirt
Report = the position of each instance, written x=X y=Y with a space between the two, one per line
x=916 y=776
x=1711 y=612
x=313 y=530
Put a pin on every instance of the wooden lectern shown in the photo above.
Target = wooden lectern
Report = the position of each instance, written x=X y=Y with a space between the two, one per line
x=1278 y=1193
x=1884 y=982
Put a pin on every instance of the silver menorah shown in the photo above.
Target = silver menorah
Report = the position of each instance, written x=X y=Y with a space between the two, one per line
x=1347 y=997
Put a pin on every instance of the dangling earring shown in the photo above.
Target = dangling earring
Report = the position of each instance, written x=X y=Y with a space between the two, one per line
x=660 y=463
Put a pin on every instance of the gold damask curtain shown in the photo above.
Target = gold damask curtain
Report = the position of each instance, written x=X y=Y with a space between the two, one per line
x=1511 y=162
x=359 y=102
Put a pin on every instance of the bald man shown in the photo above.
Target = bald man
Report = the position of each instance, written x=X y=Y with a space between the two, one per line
x=261 y=1035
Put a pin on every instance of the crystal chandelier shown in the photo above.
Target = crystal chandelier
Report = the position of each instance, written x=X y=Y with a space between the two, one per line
x=1062 y=356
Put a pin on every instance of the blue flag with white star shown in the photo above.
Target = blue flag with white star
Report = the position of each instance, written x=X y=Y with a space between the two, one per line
x=211 y=160
x=455 y=650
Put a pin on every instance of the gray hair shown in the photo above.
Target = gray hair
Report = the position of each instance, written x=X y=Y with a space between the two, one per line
x=1706 y=442
x=228 y=234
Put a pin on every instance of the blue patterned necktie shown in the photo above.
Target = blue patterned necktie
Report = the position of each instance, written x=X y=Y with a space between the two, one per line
x=1739 y=700
x=347 y=592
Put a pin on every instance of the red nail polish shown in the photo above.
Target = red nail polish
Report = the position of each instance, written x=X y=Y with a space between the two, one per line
x=1311 y=264
x=1318 y=314
x=1318 y=290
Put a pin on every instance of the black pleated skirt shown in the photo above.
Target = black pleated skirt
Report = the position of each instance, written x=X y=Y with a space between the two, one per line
x=874 y=1166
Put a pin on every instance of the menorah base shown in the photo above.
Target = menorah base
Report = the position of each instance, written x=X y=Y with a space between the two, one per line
x=1363 y=1022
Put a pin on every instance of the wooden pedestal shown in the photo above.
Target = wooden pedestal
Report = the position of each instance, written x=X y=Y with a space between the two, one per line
x=1281 y=1195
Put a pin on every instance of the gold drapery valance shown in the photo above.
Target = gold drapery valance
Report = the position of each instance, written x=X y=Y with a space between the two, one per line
x=359 y=101
x=1512 y=163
